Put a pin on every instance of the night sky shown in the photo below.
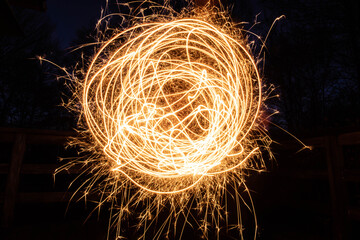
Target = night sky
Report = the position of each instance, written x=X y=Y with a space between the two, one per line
x=71 y=15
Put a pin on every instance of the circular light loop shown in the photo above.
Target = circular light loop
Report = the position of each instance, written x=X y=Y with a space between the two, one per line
x=172 y=103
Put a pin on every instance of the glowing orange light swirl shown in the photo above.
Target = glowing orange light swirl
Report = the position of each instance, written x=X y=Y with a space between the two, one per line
x=173 y=103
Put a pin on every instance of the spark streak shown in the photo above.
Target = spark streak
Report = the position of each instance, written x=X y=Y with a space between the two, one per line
x=170 y=108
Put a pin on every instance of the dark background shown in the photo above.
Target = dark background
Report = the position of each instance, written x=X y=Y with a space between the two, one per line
x=311 y=60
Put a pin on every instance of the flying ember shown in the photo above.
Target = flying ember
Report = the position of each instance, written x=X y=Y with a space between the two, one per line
x=170 y=115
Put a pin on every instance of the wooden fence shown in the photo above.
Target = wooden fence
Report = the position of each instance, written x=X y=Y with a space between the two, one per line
x=20 y=139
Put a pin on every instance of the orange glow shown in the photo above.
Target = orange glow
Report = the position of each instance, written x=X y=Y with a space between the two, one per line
x=176 y=102
x=170 y=109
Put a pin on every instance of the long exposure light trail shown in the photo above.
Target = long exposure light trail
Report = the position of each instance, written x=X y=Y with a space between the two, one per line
x=170 y=112
x=174 y=102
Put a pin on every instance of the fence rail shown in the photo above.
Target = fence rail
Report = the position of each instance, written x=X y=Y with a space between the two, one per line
x=336 y=174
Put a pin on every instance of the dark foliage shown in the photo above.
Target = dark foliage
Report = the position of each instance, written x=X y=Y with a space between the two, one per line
x=30 y=94
x=313 y=58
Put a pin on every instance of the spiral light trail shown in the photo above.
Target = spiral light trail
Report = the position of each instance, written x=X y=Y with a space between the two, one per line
x=170 y=113
x=172 y=104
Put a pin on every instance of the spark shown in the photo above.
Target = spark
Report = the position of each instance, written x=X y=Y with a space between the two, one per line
x=170 y=110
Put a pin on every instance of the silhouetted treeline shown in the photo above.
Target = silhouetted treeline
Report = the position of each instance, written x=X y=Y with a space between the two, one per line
x=30 y=93
x=312 y=57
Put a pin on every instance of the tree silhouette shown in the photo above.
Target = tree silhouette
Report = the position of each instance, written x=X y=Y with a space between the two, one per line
x=29 y=92
x=311 y=58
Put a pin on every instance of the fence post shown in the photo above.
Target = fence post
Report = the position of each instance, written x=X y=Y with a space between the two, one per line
x=335 y=169
x=12 y=183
